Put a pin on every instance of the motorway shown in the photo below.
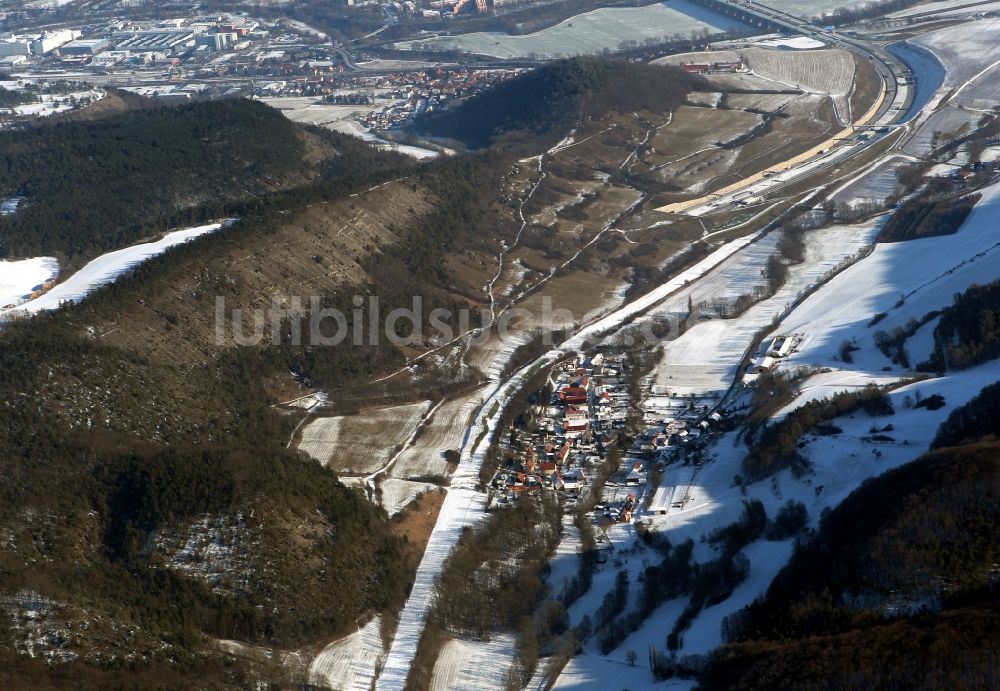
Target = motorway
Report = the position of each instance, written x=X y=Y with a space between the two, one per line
x=890 y=106
x=892 y=71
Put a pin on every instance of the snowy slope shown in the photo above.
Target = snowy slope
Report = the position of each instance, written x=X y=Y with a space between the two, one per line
x=474 y=665
x=349 y=664
x=970 y=53
x=18 y=279
x=108 y=267
x=927 y=273
x=704 y=359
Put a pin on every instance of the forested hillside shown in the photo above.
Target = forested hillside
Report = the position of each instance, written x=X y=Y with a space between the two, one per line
x=145 y=483
x=545 y=103
x=968 y=332
x=896 y=589
x=99 y=185
x=977 y=419
x=129 y=435
x=115 y=529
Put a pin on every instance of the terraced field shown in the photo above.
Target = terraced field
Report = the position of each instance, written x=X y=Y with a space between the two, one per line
x=349 y=664
x=686 y=154
x=828 y=71
x=464 y=665
x=444 y=431
x=810 y=121
x=362 y=443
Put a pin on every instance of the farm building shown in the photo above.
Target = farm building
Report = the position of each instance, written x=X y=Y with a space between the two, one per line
x=763 y=364
x=780 y=346
x=695 y=67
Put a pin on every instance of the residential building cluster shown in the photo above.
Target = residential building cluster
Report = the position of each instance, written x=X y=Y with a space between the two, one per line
x=414 y=93
x=567 y=442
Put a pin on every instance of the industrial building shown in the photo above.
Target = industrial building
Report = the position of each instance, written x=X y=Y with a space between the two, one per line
x=155 y=40
x=218 y=41
x=14 y=45
x=84 y=46
x=50 y=40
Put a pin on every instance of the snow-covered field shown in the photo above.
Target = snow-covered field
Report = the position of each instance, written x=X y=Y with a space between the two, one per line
x=703 y=361
x=397 y=494
x=20 y=278
x=948 y=8
x=105 y=269
x=361 y=443
x=927 y=273
x=737 y=275
x=588 y=33
x=349 y=664
x=49 y=104
x=445 y=430
x=794 y=43
x=970 y=52
x=941 y=127
x=564 y=564
x=876 y=183
x=812 y=8
x=344 y=119
x=465 y=665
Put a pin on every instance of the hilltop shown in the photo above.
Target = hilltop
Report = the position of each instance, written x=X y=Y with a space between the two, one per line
x=547 y=102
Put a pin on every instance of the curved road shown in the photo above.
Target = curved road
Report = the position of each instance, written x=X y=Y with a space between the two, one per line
x=889 y=108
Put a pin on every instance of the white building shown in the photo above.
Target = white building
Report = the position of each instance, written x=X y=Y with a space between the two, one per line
x=51 y=40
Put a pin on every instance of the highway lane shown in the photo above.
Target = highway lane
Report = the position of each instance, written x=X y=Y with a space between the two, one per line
x=889 y=108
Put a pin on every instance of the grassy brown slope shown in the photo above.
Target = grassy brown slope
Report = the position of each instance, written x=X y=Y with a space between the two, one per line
x=319 y=250
x=867 y=85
